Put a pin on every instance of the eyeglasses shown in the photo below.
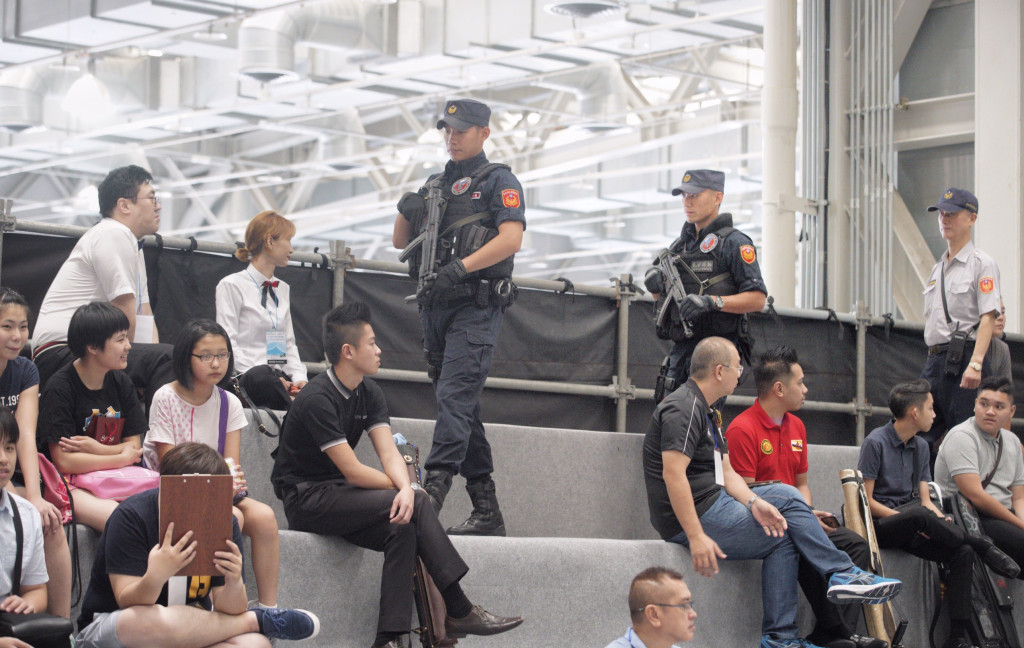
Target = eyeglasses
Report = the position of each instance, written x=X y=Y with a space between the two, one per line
x=685 y=607
x=738 y=368
x=154 y=198
x=207 y=358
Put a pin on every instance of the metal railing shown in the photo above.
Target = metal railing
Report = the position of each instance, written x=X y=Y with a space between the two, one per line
x=620 y=387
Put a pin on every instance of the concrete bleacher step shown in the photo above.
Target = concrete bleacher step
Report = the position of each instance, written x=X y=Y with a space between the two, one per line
x=576 y=510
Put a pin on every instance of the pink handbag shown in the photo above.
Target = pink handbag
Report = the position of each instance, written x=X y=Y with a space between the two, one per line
x=55 y=489
x=116 y=484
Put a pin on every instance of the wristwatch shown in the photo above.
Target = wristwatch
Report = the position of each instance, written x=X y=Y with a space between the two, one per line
x=415 y=486
x=975 y=365
x=719 y=302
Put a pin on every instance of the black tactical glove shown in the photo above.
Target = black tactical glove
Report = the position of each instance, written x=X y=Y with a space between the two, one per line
x=414 y=208
x=655 y=281
x=447 y=277
x=694 y=306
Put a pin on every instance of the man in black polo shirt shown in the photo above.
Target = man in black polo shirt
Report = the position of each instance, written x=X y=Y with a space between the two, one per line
x=326 y=489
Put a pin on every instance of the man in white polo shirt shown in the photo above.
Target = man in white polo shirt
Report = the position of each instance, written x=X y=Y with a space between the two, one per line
x=107 y=265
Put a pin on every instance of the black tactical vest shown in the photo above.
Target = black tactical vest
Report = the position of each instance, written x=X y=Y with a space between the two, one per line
x=704 y=271
x=465 y=230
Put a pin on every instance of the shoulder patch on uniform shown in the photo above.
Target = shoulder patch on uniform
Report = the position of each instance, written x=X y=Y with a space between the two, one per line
x=796 y=445
x=986 y=284
x=748 y=254
x=709 y=243
x=510 y=198
x=766 y=447
x=461 y=186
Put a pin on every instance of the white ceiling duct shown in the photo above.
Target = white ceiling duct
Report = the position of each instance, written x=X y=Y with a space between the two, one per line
x=266 y=42
x=601 y=91
x=21 y=99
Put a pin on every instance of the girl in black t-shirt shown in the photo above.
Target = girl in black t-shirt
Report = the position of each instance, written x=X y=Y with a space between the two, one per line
x=93 y=385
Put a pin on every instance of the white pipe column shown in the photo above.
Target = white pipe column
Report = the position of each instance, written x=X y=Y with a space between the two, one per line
x=838 y=250
x=779 y=112
x=999 y=144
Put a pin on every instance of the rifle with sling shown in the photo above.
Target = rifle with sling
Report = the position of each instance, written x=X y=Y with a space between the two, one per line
x=675 y=292
x=427 y=240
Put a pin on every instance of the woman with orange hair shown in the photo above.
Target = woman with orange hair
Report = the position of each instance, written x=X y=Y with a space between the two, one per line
x=253 y=307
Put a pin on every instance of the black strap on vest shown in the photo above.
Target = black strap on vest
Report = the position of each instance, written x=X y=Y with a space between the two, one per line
x=465 y=220
x=19 y=535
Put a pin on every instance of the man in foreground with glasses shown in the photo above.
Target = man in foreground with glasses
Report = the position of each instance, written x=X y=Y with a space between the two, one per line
x=696 y=499
x=768 y=442
x=107 y=265
x=661 y=609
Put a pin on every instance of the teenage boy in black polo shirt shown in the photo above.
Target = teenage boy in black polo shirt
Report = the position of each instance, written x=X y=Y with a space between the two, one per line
x=326 y=489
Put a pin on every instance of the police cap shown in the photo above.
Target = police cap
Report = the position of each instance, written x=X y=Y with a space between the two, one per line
x=461 y=114
x=956 y=199
x=698 y=180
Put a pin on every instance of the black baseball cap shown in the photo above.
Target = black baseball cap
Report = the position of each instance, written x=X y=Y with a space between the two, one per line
x=698 y=180
x=956 y=199
x=461 y=114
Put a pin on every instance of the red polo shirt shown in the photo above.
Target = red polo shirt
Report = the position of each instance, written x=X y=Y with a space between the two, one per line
x=760 y=449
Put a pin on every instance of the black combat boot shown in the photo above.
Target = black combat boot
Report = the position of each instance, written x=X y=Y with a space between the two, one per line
x=436 y=484
x=486 y=518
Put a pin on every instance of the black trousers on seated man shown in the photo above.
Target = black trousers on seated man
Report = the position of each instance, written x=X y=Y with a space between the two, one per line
x=833 y=620
x=362 y=517
x=945 y=544
x=1006 y=536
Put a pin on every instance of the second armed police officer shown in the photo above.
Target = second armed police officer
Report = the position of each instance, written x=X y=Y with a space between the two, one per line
x=718 y=267
x=461 y=309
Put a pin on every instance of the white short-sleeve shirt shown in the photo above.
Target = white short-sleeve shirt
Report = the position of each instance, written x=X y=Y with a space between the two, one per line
x=33 y=563
x=972 y=289
x=172 y=420
x=106 y=263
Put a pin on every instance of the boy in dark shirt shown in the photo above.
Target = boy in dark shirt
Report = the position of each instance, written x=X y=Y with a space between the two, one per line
x=131 y=602
x=326 y=489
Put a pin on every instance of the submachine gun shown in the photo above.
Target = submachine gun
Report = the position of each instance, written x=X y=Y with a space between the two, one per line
x=675 y=293
x=426 y=243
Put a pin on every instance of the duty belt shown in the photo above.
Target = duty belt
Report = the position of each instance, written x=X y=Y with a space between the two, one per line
x=939 y=349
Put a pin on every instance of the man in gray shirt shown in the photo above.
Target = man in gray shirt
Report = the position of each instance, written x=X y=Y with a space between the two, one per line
x=982 y=459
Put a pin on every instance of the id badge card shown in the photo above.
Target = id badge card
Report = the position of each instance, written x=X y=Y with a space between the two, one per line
x=719 y=470
x=277 y=348
x=144 y=325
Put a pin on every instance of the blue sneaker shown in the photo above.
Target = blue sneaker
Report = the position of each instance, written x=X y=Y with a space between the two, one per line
x=282 y=623
x=795 y=642
x=857 y=585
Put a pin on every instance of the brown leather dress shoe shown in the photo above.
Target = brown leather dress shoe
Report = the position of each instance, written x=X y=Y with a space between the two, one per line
x=479 y=622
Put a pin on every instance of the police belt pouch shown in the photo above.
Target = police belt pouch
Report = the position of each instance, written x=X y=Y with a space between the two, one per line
x=955 y=353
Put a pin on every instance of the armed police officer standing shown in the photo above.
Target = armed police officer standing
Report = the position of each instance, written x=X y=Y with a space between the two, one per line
x=716 y=265
x=473 y=213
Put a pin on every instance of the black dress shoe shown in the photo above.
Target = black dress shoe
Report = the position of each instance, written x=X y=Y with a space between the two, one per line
x=868 y=642
x=479 y=622
x=394 y=643
x=1001 y=563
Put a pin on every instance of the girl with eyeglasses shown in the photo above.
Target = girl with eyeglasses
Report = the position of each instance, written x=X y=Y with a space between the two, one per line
x=194 y=408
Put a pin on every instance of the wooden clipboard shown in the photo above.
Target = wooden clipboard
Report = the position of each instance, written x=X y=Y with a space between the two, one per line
x=201 y=504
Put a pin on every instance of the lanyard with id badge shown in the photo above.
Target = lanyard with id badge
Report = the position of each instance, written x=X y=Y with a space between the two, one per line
x=277 y=341
x=715 y=418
